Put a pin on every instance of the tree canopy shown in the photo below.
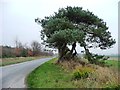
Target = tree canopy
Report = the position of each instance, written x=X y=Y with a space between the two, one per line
x=73 y=25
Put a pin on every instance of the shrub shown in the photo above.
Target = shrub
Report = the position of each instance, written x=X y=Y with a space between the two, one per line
x=82 y=72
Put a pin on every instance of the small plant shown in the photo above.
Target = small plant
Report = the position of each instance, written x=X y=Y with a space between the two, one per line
x=82 y=72
x=116 y=87
x=77 y=74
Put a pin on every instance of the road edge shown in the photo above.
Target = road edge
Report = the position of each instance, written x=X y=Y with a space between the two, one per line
x=25 y=80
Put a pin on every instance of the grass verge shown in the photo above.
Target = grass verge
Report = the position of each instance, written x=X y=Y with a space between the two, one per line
x=9 y=61
x=50 y=75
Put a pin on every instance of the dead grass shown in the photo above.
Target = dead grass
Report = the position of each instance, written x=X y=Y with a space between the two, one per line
x=72 y=64
x=101 y=77
x=106 y=76
x=8 y=61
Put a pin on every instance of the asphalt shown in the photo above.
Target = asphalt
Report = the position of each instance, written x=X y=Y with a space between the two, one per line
x=13 y=76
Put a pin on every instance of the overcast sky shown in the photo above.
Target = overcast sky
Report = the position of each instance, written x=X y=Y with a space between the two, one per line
x=17 y=18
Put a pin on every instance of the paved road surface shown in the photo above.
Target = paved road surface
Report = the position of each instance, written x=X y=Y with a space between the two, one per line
x=13 y=76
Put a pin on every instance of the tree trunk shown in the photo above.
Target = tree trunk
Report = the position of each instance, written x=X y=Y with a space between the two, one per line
x=88 y=54
x=73 y=49
x=65 y=53
x=62 y=52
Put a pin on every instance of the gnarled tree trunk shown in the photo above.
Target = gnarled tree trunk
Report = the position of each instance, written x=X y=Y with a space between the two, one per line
x=88 y=55
x=65 y=53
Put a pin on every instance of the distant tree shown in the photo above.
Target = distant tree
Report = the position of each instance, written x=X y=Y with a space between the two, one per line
x=7 y=51
x=21 y=49
x=17 y=52
x=48 y=52
x=36 y=48
x=18 y=46
x=24 y=52
x=30 y=53
x=73 y=25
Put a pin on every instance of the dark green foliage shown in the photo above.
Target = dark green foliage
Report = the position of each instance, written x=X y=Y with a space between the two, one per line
x=24 y=52
x=73 y=25
x=97 y=59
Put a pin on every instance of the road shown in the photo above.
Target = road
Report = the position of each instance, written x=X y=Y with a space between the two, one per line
x=13 y=76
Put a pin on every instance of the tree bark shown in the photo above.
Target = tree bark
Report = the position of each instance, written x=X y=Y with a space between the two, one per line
x=65 y=53
x=73 y=49
x=88 y=54
x=62 y=50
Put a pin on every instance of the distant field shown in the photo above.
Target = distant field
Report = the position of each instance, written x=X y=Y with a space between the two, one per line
x=113 y=63
x=8 y=61
x=113 y=58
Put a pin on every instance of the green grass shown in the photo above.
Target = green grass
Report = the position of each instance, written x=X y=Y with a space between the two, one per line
x=49 y=75
x=113 y=63
x=15 y=60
